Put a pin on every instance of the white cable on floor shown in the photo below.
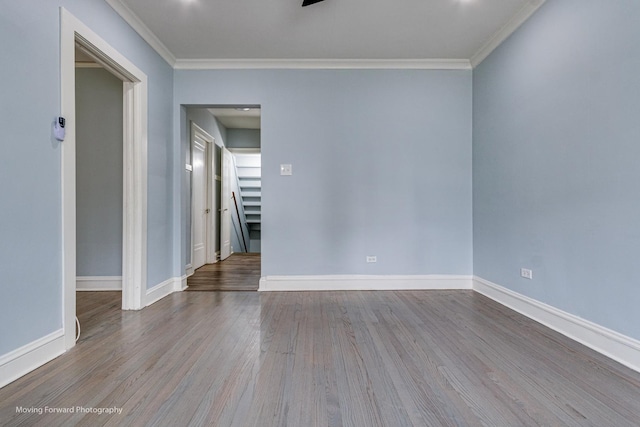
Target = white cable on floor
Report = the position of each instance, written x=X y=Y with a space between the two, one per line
x=78 y=325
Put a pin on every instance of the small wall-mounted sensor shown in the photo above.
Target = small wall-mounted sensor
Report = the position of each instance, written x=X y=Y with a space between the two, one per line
x=58 y=128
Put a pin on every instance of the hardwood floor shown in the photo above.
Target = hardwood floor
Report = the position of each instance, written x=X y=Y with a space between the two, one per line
x=239 y=272
x=421 y=358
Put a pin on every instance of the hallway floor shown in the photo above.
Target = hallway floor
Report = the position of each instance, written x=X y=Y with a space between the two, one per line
x=239 y=272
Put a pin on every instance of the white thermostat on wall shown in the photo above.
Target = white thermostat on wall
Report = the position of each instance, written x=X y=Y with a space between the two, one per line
x=58 y=128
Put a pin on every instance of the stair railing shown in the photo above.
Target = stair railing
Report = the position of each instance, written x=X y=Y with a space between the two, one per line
x=235 y=202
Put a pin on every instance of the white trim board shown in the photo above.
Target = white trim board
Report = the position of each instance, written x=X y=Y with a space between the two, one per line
x=503 y=33
x=30 y=357
x=188 y=270
x=529 y=8
x=363 y=283
x=142 y=30
x=99 y=283
x=169 y=286
x=27 y=358
x=614 y=345
x=134 y=259
x=322 y=64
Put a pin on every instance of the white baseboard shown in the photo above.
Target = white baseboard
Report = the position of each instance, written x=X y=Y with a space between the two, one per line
x=363 y=283
x=188 y=270
x=183 y=283
x=99 y=283
x=169 y=286
x=618 y=347
x=25 y=359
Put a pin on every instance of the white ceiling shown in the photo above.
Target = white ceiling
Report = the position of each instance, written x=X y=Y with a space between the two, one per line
x=387 y=30
x=234 y=118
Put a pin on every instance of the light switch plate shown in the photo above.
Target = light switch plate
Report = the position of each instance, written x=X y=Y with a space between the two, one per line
x=526 y=273
x=286 y=169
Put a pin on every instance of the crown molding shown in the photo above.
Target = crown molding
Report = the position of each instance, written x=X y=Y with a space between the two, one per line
x=144 y=31
x=408 y=64
x=415 y=64
x=503 y=33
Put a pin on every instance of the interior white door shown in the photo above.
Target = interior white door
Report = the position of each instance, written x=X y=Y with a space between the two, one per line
x=199 y=201
x=225 y=204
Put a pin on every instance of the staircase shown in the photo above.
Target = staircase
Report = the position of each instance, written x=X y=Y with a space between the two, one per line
x=248 y=167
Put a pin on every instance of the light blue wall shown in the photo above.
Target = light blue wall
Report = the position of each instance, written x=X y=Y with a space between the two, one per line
x=555 y=161
x=98 y=173
x=30 y=218
x=381 y=166
x=243 y=138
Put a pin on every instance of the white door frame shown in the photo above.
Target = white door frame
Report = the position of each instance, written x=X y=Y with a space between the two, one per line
x=211 y=203
x=134 y=251
x=209 y=225
x=226 y=222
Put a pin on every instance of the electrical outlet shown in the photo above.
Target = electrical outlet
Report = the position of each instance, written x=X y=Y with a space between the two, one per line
x=526 y=273
x=371 y=259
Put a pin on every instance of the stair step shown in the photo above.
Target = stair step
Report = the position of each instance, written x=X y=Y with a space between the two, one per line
x=250 y=182
x=248 y=172
x=251 y=161
x=250 y=189
x=244 y=194
x=258 y=204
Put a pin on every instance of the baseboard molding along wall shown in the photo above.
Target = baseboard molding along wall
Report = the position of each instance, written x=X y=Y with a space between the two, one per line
x=618 y=347
x=614 y=345
x=99 y=283
x=363 y=283
x=29 y=357
x=169 y=286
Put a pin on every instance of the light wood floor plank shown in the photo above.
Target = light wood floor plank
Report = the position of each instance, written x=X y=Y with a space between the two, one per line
x=411 y=358
x=239 y=272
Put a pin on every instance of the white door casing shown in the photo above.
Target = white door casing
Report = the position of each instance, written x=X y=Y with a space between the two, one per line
x=211 y=198
x=134 y=251
x=202 y=196
x=198 y=201
x=225 y=204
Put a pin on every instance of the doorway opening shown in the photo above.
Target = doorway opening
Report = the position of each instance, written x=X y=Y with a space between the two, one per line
x=226 y=206
x=75 y=35
x=99 y=172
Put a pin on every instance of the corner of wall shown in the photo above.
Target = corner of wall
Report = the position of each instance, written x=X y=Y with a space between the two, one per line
x=614 y=345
